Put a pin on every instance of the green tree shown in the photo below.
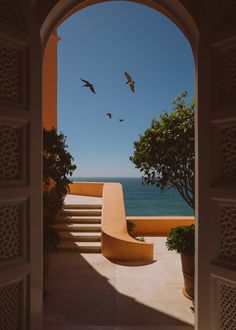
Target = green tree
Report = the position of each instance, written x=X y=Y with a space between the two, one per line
x=165 y=152
x=57 y=167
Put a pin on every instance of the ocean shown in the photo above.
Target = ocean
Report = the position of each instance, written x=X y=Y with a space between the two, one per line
x=147 y=200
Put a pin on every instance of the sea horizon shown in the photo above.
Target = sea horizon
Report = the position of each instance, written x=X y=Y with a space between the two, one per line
x=141 y=199
x=105 y=177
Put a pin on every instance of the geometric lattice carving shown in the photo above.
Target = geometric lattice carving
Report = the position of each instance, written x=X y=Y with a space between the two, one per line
x=227 y=307
x=11 y=307
x=228 y=232
x=227 y=75
x=6 y=13
x=10 y=153
x=11 y=233
x=228 y=152
x=11 y=74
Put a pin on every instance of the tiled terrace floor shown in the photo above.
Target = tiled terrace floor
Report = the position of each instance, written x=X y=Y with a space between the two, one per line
x=89 y=292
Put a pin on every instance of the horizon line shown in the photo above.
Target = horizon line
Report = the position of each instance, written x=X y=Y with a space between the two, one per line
x=82 y=177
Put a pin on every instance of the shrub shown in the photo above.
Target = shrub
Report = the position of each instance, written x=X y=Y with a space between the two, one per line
x=181 y=239
x=130 y=227
x=57 y=166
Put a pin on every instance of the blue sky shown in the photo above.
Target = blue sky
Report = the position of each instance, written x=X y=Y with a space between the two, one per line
x=99 y=43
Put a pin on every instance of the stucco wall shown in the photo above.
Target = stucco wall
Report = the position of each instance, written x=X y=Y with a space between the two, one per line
x=94 y=189
x=157 y=226
x=117 y=244
x=50 y=83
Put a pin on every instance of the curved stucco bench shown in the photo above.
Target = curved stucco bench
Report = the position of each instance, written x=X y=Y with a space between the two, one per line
x=117 y=244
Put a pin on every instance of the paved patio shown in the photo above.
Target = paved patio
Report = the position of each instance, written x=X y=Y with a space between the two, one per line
x=89 y=292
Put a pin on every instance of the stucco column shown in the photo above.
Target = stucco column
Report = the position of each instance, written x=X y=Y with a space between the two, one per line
x=50 y=83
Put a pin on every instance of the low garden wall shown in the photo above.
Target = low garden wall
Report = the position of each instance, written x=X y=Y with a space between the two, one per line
x=157 y=225
x=93 y=189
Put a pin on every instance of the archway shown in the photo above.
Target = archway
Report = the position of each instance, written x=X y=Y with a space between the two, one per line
x=84 y=60
x=211 y=31
x=211 y=49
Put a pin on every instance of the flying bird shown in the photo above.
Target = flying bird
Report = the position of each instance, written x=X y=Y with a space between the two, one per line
x=109 y=115
x=129 y=81
x=89 y=85
x=121 y=120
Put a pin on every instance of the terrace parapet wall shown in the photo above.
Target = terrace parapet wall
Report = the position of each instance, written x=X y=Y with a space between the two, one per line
x=117 y=244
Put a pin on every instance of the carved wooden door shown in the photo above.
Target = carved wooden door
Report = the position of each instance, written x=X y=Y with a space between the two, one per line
x=216 y=296
x=20 y=168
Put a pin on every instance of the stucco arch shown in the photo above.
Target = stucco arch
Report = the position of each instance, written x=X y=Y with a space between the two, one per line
x=213 y=46
x=51 y=17
x=210 y=28
x=188 y=21
x=185 y=17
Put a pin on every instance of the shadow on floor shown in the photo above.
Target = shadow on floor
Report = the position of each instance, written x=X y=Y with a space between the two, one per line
x=77 y=294
x=132 y=263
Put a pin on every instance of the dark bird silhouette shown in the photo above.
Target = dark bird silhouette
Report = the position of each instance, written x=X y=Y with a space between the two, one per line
x=129 y=81
x=109 y=115
x=89 y=85
x=121 y=120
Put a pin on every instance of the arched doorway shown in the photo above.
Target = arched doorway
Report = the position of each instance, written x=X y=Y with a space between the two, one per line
x=211 y=31
x=78 y=121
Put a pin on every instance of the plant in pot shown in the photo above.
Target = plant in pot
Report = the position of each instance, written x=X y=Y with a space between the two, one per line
x=181 y=240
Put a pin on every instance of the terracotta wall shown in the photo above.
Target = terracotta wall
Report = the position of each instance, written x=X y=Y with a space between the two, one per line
x=93 y=189
x=50 y=83
x=157 y=226
x=117 y=244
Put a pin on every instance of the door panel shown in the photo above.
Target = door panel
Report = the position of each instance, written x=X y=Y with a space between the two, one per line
x=20 y=168
x=223 y=187
x=217 y=175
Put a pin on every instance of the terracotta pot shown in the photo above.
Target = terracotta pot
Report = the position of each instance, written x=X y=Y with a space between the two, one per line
x=188 y=272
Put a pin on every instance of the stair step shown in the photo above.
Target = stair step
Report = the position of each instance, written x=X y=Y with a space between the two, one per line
x=80 y=237
x=74 y=227
x=78 y=219
x=83 y=247
x=80 y=212
x=82 y=206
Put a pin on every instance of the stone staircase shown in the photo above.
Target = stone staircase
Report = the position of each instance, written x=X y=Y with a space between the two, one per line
x=80 y=228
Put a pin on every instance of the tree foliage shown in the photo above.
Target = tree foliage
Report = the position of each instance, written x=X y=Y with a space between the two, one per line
x=165 y=152
x=57 y=166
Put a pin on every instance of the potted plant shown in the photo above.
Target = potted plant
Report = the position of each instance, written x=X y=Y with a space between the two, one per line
x=181 y=240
